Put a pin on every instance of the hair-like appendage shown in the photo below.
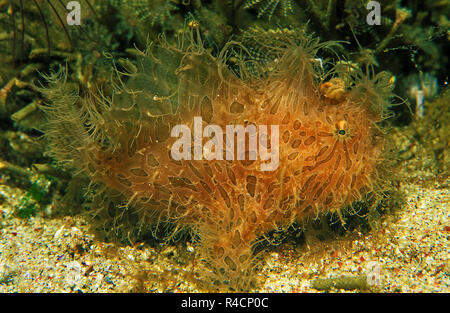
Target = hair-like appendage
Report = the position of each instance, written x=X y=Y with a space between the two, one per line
x=65 y=130
x=329 y=147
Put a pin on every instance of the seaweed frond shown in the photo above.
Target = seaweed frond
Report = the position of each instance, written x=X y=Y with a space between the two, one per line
x=269 y=7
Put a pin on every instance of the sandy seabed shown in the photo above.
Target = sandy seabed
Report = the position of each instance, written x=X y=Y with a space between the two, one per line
x=410 y=251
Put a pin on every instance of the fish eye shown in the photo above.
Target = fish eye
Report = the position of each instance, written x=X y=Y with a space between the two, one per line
x=341 y=127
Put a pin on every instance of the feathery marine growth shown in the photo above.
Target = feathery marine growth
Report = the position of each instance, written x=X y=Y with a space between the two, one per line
x=330 y=146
